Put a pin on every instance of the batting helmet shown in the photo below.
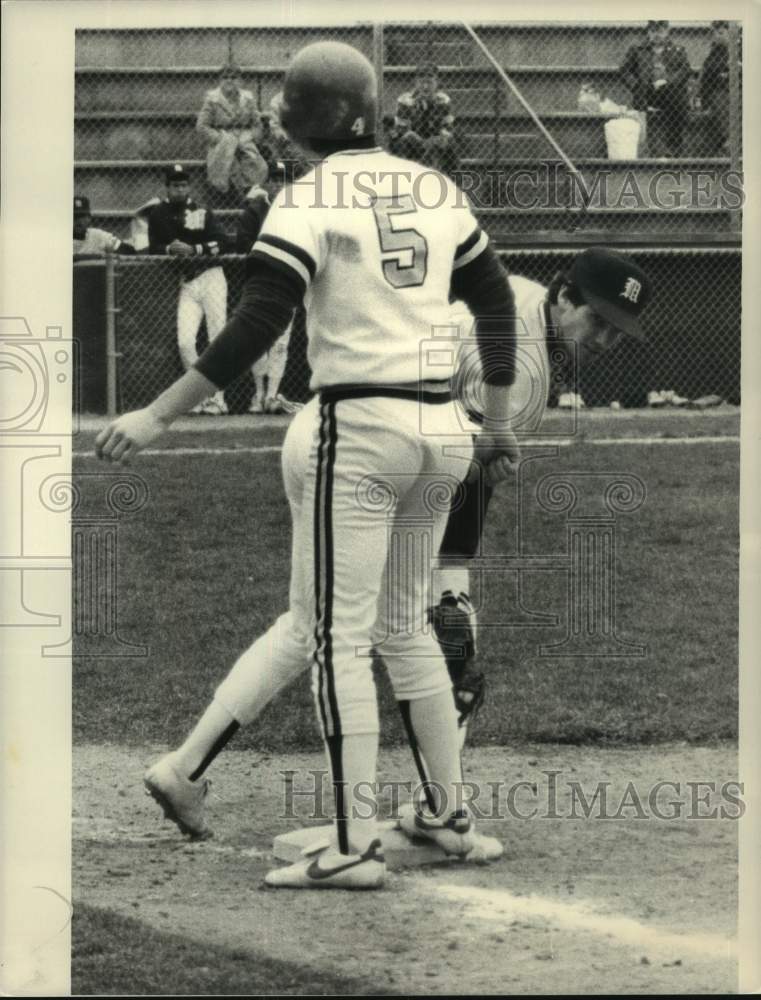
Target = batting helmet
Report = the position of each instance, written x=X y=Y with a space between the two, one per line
x=330 y=92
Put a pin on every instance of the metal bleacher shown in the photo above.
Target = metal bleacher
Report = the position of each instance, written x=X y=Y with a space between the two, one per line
x=138 y=93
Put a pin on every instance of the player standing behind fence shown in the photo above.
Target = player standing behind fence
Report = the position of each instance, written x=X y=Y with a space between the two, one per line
x=92 y=242
x=269 y=369
x=377 y=271
x=181 y=228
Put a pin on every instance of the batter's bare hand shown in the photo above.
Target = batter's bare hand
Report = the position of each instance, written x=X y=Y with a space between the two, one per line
x=499 y=455
x=127 y=435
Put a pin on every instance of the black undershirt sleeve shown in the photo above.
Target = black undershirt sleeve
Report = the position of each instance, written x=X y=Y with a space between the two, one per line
x=270 y=295
x=483 y=285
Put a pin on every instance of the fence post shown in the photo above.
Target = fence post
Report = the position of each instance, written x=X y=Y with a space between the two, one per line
x=735 y=113
x=378 y=62
x=111 y=355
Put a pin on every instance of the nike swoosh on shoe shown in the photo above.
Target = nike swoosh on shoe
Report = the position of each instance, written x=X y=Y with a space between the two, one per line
x=373 y=853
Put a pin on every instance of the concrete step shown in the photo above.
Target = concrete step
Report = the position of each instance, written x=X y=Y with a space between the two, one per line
x=210 y=47
x=545 y=230
x=573 y=43
x=547 y=89
x=510 y=226
x=580 y=44
x=663 y=187
x=482 y=135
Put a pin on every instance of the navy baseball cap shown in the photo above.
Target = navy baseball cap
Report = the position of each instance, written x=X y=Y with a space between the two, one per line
x=614 y=286
x=81 y=205
x=175 y=173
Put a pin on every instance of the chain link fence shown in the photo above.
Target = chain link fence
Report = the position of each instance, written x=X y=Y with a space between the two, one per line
x=563 y=134
x=692 y=352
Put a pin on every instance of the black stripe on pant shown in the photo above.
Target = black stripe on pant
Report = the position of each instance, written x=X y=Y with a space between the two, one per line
x=323 y=563
x=404 y=708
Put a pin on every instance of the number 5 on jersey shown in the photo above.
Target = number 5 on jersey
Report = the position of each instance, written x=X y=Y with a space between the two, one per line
x=405 y=250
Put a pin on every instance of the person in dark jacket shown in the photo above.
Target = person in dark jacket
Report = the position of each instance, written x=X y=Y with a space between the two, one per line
x=179 y=227
x=657 y=73
x=714 y=89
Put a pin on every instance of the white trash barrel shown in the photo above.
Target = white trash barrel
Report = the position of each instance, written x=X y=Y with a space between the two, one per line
x=622 y=138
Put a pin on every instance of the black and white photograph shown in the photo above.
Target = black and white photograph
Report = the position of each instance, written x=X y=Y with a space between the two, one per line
x=378 y=484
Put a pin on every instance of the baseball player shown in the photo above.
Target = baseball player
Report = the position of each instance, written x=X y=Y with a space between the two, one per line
x=377 y=276
x=269 y=369
x=586 y=310
x=89 y=241
x=181 y=228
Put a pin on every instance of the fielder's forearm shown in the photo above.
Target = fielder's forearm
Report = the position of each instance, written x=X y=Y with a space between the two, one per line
x=188 y=391
x=496 y=407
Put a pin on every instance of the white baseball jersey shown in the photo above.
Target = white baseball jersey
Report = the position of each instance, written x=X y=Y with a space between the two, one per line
x=530 y=390
x=97 y=241
x=391 y=231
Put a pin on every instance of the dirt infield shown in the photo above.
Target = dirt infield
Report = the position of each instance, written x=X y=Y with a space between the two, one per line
x=620 y=901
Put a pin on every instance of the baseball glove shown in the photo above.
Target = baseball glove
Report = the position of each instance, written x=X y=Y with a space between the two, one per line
x=452 y=628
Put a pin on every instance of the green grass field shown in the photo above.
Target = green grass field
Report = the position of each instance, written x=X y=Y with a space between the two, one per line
x=203 y=569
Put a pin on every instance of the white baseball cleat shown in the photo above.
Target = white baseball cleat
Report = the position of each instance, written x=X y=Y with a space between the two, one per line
x=288 y=405
x=182 y=800
x=416 y=822
x=213 y=407
x=325 y=868
x=571 y=401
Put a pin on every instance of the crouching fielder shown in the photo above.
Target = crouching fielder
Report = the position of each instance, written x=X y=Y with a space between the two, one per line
x=581 y=316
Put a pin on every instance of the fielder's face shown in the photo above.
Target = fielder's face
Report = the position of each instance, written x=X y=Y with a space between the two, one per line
x=658 y=36
x=177 y=192
x=82 y=221
x=581 y=325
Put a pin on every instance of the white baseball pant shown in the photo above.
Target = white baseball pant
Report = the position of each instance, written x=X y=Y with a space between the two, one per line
x=395 y=585
x=272 y=366
x=204 y=295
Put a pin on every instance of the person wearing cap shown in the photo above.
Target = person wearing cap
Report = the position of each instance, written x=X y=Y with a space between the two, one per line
x=713 y=90
x=582 y=315
x=657 y=72
x=178 y=227
x=92 y=242
x=231 y=125
x=422 y=129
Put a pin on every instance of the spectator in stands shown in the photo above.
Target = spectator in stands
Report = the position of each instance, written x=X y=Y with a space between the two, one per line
x=231 y=125
x=269 y=369
x=92 y=242
x=657 y=73
x=423 y=126
x=714 y=90
x=180 y=228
